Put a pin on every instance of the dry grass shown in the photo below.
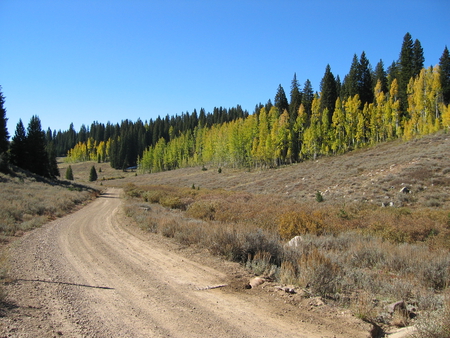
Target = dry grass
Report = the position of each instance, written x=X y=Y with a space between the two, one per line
x=28 y=201
x=353 y=250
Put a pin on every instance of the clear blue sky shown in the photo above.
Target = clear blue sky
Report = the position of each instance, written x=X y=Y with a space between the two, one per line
x=97 y=60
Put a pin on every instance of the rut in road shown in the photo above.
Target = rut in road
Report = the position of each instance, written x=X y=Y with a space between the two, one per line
x=87 y=275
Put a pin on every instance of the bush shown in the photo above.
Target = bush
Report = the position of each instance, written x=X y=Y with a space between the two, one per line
x=93 y=174
x=319 y=197
x=295 y=223
x=69 y=173
x=319 y=272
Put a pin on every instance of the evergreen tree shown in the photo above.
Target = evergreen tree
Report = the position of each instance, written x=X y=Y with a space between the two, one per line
x=19 y=151
x=281 y=101
x=350 y=87
x=4 y=136
x=328 y=93
x=365 y=80
x=392 y=73
x=93 y=174
x=418 y=58
x=444 y=76
x=37 y=159
x=406 y=68
x=296 y=100
x=53 y=170
x=380 y=75
x=69 y=173
x=307 y=98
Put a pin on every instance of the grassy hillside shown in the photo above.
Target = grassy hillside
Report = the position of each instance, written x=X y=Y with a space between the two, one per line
x=374 y=175
x=28 y=201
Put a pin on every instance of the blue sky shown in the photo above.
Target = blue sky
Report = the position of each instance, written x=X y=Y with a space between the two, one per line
x=96 y=60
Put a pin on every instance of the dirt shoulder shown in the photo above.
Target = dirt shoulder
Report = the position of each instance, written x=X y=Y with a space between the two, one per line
x=91 y=274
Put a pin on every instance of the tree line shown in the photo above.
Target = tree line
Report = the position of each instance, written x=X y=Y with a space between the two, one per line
x=368 y=106
x=28 y=149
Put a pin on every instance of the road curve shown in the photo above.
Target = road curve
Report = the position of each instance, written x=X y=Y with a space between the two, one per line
x=88 y=275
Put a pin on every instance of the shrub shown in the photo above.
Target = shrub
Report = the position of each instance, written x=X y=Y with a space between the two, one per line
x=226 y=242
x=319 y=272
x=172 y=202
x=93 y=174
x=168 y=227
x=319 y=197
x=204 y=210
x=295 y=223
x=69 y=173
x=259 y=241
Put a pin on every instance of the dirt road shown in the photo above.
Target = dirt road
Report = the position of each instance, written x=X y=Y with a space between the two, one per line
x=91 y=275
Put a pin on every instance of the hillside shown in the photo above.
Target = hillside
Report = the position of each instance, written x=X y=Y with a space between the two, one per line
x=374 y=175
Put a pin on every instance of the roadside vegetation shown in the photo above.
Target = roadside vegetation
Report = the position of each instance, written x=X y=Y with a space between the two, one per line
x=359 y=253
x=28 y=201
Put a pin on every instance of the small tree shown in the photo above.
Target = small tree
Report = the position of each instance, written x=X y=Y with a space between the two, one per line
x=93 y=175
x=69 y=173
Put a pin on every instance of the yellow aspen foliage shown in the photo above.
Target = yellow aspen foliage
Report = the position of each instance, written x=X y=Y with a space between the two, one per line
x=352 y=109
x=445 y=117
x=338 y=144
x=311 y=141
x=394 y=107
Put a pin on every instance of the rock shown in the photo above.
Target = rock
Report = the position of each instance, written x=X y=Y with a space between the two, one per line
x=405 y=190
x=254 y=282
x=295 y=242
x=397 y=306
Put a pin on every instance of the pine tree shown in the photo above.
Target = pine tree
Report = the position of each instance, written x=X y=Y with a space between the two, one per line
x=4 y=136
x=296 y=100
x=380 y=75
x=392 y=73
x=37 y=159
x=350 y=86
x=444 y=76
x=307 y=98
x=53 y=170
x=69 y=173
x=406 y=68
x=365 y=80
x=418 y=58
x=328 y=93
x=19 y=151
x=93 y=174
x=281 y=101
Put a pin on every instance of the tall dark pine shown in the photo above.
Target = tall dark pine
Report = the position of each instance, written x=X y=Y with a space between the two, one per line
x=4 y=136
x=406 y=69
x=328 y=92
x=281 y=101
x=18 y=149
x=296 y=99
x=392 y=73
x=37 y=159
x=53 y=170
x=307 y=97
x=418 y=58
x=380 y=75
x=365 y=80
x=350 y=87
x=444 y=76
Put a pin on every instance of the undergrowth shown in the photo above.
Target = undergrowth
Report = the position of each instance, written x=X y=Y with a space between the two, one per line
x=360 y=256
